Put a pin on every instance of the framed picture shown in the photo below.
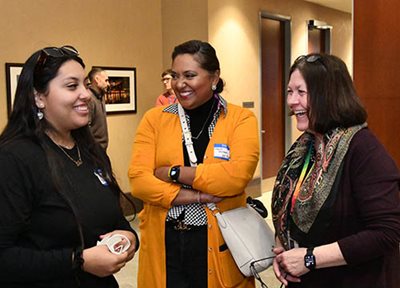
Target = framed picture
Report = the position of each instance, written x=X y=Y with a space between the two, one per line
x=121 y=98
x=13 y=70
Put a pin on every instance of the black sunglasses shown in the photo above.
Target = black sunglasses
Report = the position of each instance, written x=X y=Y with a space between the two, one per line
x=313 y=58
x=55 y=52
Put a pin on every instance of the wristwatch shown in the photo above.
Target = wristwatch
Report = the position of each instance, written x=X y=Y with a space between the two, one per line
x=309 y=259
x=173 y=173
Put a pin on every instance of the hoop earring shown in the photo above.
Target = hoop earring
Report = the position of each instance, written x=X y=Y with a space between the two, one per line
x=214 y=87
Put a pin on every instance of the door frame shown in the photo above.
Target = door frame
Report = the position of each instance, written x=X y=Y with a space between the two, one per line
x=287 y=23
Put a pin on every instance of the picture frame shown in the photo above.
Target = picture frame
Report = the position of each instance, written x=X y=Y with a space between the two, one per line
x=121 y=98
x=13 y=71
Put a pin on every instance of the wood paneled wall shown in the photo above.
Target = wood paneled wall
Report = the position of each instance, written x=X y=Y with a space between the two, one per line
x=376 y=68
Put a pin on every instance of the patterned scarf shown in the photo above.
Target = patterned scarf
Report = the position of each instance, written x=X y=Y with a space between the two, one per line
x=316 y=186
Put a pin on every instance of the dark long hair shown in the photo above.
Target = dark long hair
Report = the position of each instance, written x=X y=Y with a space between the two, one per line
x=24 y=123
x=332 y=98
x=205 y=55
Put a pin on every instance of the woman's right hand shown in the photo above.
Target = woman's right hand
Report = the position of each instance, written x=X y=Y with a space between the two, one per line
x=99 y=261
x=188 y=196
x=280 y=268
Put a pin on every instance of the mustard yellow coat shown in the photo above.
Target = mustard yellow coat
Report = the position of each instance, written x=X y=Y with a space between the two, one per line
x=158 y=142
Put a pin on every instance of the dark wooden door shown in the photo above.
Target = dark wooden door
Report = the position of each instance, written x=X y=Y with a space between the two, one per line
x=273 y=96
x=376 y=68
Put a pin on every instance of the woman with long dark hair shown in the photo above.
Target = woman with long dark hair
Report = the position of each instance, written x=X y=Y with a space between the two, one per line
x=58 y=195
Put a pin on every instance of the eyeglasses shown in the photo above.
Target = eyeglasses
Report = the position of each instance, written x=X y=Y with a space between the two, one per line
x=55 y=52
x=313 y=58
x=166 y=79
x=255 y=273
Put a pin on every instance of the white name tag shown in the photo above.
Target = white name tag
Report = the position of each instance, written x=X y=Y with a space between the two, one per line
x=221 y=151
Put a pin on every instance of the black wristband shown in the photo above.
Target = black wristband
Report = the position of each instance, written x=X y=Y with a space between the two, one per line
x=77 y=259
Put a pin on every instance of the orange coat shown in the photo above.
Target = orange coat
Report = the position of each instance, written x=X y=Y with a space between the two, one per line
x=158 y=142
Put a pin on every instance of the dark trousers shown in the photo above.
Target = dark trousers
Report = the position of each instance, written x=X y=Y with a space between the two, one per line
x=186 y=253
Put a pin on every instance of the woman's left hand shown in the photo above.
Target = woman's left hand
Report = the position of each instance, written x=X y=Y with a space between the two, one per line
x=128 y=234
x=162 y=173
x=186 y=174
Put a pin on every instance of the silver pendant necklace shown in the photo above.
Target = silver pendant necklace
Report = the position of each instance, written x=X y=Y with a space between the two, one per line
x=205 y=123
x=78 y=162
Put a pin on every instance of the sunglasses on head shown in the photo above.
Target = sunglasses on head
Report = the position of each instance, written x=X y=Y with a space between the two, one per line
x=308 y=58
x=313 y=58
x=60 y=52
x=55 y=52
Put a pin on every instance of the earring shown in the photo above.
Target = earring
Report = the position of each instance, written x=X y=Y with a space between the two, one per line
x=39 y=114
x=214 y=87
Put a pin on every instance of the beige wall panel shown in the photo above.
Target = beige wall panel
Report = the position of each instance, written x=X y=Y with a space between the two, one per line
x=118 y=33
x=182 y=20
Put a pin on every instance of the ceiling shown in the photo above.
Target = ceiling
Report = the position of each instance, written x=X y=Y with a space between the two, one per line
x=342 y=5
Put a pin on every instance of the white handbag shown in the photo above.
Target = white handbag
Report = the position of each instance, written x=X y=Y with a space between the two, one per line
x=248 y=237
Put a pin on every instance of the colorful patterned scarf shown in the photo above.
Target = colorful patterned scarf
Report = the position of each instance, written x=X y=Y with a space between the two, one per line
x=317 y=185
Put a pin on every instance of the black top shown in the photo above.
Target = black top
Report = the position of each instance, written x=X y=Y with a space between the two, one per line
x=364 y=220
x=200 y=119
x=38 y=230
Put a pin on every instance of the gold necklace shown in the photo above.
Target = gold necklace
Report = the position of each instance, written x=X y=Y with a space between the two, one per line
x=78 y=162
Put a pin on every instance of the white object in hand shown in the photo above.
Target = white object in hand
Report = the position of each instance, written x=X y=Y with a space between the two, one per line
x=112 y=242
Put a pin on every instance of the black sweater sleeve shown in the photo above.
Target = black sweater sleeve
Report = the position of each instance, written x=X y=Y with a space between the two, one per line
x=372 y=179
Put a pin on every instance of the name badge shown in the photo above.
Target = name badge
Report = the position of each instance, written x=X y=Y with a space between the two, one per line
x=99 y=174
x=221 y=151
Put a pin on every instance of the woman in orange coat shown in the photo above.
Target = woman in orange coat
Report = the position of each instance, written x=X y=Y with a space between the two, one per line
x=181 y=245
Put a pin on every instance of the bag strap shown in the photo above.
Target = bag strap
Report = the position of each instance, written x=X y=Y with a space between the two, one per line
x=187 y=136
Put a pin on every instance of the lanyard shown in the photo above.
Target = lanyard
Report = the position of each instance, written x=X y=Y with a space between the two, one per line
x=187 y=136
x=302 y=177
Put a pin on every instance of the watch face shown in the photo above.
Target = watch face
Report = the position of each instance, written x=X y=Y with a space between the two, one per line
x=174 y=173
x=309 y=261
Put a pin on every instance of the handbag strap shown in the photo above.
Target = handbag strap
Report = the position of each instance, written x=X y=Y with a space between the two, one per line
x=187 y=136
